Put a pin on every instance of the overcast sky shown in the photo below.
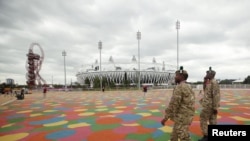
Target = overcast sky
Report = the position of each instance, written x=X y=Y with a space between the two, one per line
x=212 y=33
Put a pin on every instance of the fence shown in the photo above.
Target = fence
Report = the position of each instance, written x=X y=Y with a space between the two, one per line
x=222 y=86
x=235 y=86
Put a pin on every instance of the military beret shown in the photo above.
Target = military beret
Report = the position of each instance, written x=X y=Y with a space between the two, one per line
x=210 y=71
x=181 y=70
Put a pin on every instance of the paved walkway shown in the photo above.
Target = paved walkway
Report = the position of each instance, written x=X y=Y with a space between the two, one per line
x=5 y=99
x=108 y=116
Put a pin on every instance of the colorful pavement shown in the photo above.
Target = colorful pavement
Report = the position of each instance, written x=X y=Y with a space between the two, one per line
x=108 y=116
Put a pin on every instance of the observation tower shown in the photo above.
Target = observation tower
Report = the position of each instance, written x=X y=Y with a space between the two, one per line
x=33 y=66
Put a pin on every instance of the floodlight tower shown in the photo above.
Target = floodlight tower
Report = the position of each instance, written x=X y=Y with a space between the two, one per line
x=64 y=54
x=100 y=48
x=177 y=28
x=139 y=38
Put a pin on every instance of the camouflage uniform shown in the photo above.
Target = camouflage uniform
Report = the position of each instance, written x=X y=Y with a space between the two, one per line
x=209 y=102
x=181 y=110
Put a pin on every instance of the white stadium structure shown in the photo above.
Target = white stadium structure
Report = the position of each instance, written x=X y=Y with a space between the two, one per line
x=150 y=73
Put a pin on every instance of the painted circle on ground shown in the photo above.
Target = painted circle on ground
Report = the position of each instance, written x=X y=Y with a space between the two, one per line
x=13 y=137
x=233 y=104
x=34 y=115
x=102 y=106
x=108 y=120
x=78 y=125
x=129 y=117
x=120 y=107
x=125 y=129
x=56 y=123
x=86 y=114
x=115 y=111
x=96 y=136
x=102 y=109
x=7 y=125
x=60 y=134
x=80 y=110
x=144 y=114
x=26 y=111
x=47 y=121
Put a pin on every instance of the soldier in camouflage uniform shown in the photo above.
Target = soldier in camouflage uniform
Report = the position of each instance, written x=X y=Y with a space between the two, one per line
x=210 y=103
x=181 y=108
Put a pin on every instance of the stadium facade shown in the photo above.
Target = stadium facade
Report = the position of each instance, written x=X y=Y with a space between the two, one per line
x=150 y=73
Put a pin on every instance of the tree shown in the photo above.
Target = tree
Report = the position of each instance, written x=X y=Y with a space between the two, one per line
x=111 y=84
x=227 y=81
x=247 y=80
x=105 y=82
x=87 y=81
x=126 y=81
x=97 y=82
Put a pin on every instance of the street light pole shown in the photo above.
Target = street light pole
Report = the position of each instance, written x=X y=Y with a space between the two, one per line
x=100 y=48
x=177 y=28
x=64 y=54
x=139 y=75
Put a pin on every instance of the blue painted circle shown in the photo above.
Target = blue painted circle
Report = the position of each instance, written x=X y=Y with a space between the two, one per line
x=60 y=134
x=129 y=117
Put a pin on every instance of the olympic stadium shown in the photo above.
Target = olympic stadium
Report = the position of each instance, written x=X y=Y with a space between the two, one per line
x=151 y=73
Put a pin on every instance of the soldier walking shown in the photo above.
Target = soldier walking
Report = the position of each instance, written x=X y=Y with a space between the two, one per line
x=181 y=108
x=210 y=103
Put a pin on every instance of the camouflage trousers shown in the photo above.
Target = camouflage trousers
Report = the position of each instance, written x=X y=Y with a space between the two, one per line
x=207 y=117
x=180 y=132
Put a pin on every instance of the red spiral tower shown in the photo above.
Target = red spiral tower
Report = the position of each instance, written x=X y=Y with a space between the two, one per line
x=33 y=66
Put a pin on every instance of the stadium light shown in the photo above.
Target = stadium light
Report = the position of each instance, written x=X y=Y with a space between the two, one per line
x=177 y=28
x=100 y=48
x=139 y=38
x=65 y=85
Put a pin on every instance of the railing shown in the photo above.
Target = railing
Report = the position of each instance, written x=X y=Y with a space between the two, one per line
x=235 y=86
x=195 y=87
x=222 y=86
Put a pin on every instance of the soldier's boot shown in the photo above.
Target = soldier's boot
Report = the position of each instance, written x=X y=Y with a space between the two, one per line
x=203 y=139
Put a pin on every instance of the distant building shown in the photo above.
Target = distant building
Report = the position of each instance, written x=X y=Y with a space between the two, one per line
x=10 y=81
x=239 y=81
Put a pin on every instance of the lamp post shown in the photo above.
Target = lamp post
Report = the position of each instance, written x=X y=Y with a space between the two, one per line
x=177 y=28
x=139 y=38
x=100 y=48
x=64 y=54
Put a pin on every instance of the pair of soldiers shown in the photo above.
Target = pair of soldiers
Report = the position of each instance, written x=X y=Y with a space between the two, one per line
x=181 y=108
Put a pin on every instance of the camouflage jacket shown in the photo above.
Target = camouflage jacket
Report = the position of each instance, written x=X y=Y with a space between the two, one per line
x=181 y=108
x=211 y=98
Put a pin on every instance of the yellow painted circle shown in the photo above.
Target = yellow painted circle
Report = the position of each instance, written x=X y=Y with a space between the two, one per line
x=101 y=106
x=120 y=107
x=144 y=114
x=116 y=111
x=13 y=137
x=21 y=112
x=78 y=125
x=34 y=115
x=103 y=109
x=7 y=125
x=48 y=111
x=56 y=123
x=130 y=124
x=86 y=114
